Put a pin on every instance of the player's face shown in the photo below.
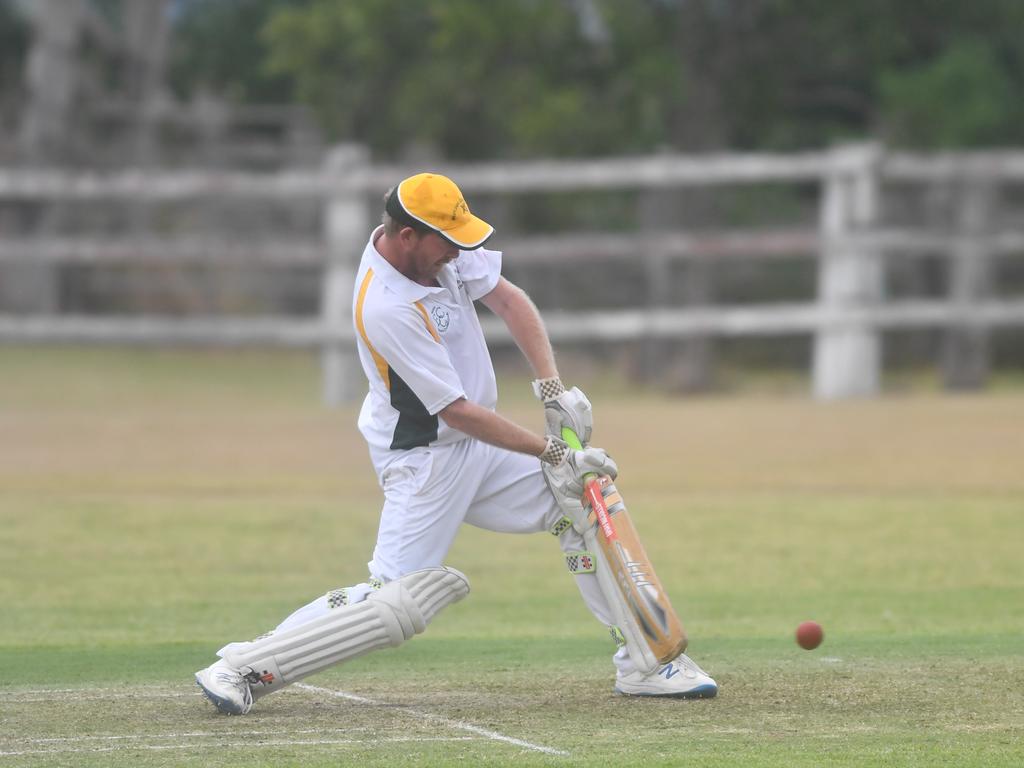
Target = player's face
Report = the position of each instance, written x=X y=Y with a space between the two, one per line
x=429 y=253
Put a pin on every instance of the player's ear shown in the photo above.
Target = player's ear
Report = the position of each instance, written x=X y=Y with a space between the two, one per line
x=408 y=236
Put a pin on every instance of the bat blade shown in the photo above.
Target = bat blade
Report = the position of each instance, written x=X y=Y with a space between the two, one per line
x=638 y=584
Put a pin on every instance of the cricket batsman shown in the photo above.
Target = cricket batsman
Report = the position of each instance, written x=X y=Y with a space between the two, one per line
x=444 y=456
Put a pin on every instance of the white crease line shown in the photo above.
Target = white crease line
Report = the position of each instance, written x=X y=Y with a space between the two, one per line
x=192 y=734
x=459 y=724
x=52 y=690
x=233 y=745
x=120 y=693
x=17 y=691
x=92 y=694
x=140 y=694
x=95 y=694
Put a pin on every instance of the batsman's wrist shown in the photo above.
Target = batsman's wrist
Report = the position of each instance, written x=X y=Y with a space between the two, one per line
x=548 y=389
x=554 y=452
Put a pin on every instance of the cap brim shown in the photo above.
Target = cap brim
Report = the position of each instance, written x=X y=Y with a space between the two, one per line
x=468 y=235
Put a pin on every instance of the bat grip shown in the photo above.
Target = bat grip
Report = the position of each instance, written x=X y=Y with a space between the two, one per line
x=573 y=441
x=570 y=437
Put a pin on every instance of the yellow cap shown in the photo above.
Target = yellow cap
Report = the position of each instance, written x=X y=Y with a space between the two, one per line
x=434 y=201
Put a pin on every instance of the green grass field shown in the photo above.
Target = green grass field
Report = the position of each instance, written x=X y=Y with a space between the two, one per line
x=155 y=505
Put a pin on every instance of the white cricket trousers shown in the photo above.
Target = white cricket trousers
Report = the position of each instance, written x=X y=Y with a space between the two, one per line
x=430 y=492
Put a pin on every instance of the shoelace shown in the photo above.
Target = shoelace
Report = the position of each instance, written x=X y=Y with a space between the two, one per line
x=230 y=678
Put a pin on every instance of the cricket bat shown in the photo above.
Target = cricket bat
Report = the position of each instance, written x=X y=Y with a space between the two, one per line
x=640 y=594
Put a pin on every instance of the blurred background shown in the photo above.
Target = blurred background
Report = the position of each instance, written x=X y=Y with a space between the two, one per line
x=699 y=194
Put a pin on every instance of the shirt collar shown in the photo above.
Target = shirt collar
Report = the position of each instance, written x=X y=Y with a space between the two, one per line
x=402 y=286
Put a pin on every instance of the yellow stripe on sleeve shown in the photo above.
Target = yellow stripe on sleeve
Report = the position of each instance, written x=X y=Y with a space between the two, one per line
x=430 y=325
x=380 y=362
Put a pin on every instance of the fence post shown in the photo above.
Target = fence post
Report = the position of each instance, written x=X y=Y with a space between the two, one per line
x=965 y=354
x=346 y=226
x=847 y=349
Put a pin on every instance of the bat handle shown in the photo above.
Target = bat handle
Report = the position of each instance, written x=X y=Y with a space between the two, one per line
x=573 y=441
x=570 y=437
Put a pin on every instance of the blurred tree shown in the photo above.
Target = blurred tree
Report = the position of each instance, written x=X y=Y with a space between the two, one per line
x=962 y=98
x=509 y=77
x=217 y=46
x=14 y=43
x=808 y=73
x=14 y=39
x=584 y=77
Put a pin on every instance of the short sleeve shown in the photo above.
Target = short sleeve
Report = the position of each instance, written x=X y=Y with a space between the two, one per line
x=402 y=338
x=479 y=271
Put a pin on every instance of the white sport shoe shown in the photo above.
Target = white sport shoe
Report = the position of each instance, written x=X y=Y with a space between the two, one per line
x=680 y=679
x=226 y=687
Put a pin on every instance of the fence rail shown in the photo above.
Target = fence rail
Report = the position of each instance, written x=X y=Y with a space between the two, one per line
x=850 y=244
x=650 y=172
x=610 y=325
x=761 y=243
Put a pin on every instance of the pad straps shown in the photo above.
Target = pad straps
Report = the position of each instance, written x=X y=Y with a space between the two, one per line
x=561 y=526
x=580 y=562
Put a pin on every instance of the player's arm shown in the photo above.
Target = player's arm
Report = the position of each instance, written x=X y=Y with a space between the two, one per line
x=562 y=408
x=567 y=463
x=490 y=427
x=521 y=316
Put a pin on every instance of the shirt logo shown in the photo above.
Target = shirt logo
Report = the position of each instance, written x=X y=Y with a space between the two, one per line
x=442 y=319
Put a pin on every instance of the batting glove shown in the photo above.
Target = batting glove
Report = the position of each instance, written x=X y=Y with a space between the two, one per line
x=564 y=467
x=565 y=408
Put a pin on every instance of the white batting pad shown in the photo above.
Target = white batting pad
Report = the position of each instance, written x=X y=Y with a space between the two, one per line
x=388 y=617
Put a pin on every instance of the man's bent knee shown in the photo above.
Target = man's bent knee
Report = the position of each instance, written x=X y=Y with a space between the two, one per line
x=387 y=617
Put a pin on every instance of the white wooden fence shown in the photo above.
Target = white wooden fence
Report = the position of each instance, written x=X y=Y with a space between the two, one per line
x=850 y=243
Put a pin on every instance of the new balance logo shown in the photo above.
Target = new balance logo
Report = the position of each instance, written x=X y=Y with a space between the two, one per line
x=668 y=671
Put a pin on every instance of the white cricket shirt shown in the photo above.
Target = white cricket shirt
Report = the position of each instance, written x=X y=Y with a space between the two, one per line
x=421 y=348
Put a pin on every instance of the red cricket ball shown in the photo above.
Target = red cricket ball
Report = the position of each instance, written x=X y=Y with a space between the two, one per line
x=809 y=635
